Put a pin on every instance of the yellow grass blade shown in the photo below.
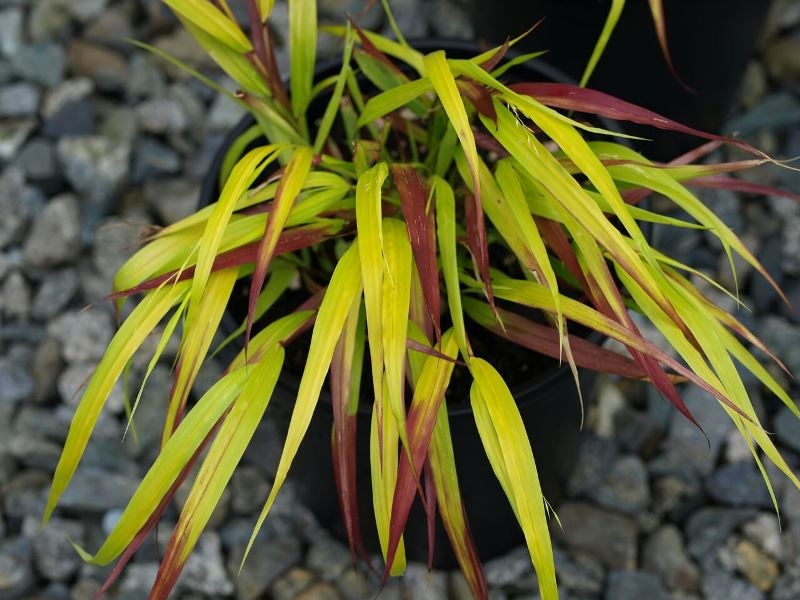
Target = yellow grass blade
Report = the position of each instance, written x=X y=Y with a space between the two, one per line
x=384 y=454
x=213 y=21
x=509 y=451
x=446 y=234
x=370 y=241
x=170 y=462
x=444 y=84
x=396 y=298
x=202 y=320
x=224 y=455
x=149 y=313
x=343 y=290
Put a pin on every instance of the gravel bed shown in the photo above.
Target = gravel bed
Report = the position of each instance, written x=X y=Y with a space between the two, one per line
x=99 y=140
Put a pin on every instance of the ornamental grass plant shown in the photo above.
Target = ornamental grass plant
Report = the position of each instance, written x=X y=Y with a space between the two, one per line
x=394 y=210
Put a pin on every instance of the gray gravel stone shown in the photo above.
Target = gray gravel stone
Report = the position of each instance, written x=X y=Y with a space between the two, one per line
x=787 y=587
x=18 y=205
x=40 y=63
x=55 y=293
x=787 y=428
x=634 y=585
x=137 y=579
x=107 y=69
x=84 y=335
x=13 y=133
x=16 y=573
x=688 y=442
x=161 y=116
x=291 y=585
x=95 y=165
x=205 y=569
x=72 y=382
x=116 y=240
x=419 y=583
x=596 y=457
x=506 y=569
x=19 y=100
x=25 y=495
x=85 y=10
x=603 y=535
x=56 y=234
x=224 y=113
x=625 y=488
x=15 y=297
x=153 y=159
x=739 y=484
x=708 y=528
x=269 y=558
x=328 y=558
x=47 y=19
x=665 y=555
x=579 y=574
x=765 y=531
x=10 y=31
x=249 y=490
x=16 y=385
x=146 y=79
x=38 y=161
x=35 y=453
x=172 y=199
x=96 y=491
x=71 y=90
x=53 y=554
x=719 y=585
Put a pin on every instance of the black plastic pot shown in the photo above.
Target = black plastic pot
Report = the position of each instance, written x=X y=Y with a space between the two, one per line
x=549 y=405
x=710 y=43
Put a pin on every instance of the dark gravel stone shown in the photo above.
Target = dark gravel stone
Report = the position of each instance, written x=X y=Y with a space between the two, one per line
x=634 y=585
x=603 y=535
x=708 y=528
x=739 y=484
x=76 y=118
